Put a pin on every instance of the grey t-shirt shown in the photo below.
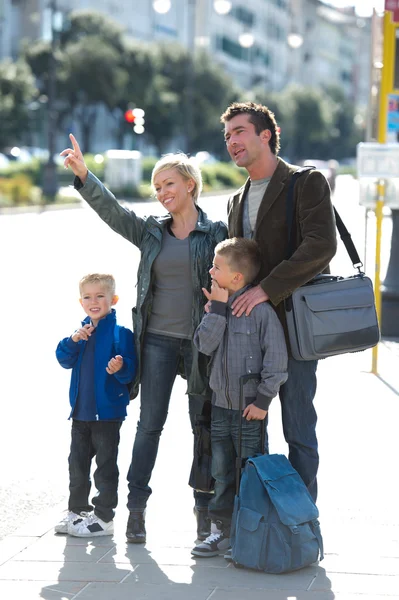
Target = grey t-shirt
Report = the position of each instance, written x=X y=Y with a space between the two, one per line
x=251 y=205
x=173 y=292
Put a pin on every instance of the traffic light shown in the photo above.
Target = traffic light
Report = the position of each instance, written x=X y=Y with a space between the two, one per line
x=129 y=115
x=138 y=114
x=135 y=117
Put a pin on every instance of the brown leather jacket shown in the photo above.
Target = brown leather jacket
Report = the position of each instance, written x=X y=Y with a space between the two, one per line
x=314 y=235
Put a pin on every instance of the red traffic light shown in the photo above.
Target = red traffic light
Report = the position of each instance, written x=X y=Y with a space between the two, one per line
x=129 y=116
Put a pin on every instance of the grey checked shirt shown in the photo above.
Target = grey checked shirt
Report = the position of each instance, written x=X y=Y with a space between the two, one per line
x=239 y=346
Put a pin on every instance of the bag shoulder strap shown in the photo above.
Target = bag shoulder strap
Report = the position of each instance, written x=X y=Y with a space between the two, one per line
x=116 y=339
x=343 y=232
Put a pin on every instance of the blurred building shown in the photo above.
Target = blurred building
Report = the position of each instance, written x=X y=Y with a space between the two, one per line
x=267 y=43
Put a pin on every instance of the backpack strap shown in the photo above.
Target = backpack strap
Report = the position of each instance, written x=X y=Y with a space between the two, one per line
x=315 y=525
x=116 y=339
x=343 y=232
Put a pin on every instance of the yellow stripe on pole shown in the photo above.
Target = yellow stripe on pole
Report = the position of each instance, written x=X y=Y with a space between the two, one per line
x=387 y=84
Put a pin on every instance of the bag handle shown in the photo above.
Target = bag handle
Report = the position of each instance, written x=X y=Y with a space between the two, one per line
x=343 y=232
x=239 y=460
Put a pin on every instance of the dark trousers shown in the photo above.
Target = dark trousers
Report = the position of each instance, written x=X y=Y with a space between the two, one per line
x=161 y=358
x=224 y=436
x=299 y=420
x=91 y=439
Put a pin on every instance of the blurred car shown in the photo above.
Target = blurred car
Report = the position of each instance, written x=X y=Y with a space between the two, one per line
x=329 y=169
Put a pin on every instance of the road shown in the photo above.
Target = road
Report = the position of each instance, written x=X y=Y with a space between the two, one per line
x=43 y=256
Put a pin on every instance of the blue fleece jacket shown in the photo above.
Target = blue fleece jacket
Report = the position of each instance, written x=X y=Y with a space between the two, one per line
x=111 y=391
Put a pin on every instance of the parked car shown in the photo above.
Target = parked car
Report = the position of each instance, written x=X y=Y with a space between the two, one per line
x=329 y=169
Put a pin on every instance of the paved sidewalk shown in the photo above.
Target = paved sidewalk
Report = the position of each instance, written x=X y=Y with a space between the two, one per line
x=358 y=501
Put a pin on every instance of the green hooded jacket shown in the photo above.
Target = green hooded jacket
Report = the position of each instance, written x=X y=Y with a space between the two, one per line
x=146 y=234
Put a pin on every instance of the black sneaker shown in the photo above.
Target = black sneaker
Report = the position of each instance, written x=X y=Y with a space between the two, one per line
x=135 y=531
x=216 y=543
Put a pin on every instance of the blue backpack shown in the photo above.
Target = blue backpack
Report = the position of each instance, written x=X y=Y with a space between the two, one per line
x=275 y=522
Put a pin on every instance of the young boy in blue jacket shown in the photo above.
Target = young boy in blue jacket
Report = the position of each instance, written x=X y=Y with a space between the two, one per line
x=102 y=357
x=237 y=346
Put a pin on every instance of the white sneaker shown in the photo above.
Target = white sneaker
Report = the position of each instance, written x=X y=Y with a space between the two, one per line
x=91 y=526
x=70 y=517
x=216 y=543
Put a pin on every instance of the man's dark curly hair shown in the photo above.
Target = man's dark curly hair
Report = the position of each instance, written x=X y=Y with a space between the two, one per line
x=261 y=118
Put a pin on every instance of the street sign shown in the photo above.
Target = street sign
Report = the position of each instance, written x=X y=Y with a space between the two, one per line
x=391 y=5
x=378 y=160
x=393 y=118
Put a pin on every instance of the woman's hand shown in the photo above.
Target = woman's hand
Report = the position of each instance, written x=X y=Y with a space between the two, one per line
x=74 y=159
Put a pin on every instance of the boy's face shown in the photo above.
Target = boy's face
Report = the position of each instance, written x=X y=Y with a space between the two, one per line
x=97 y=300
x=222 y=273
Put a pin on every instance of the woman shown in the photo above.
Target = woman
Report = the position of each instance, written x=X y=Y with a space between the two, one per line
x=176 y=253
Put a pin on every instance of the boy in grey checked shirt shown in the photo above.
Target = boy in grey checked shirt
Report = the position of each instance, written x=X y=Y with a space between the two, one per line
x=236 y=345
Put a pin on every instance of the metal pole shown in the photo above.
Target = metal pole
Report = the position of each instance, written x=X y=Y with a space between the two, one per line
x=377 y=281
x=188 y=109
x=50 y=183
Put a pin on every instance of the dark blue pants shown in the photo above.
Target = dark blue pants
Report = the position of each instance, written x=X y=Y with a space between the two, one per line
x=91 y=439
x=160 y=361
x=224 y=436
x=299 y=420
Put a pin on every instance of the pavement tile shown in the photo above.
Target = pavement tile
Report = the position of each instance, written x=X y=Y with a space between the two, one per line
x=353 y=563
x=11 y=546
x=251 y=594
x=39 y=590
x=218 y=577
x=138 y=554
x=52 y=551
x=71 y=571
x=138 y=591
x=357 y=583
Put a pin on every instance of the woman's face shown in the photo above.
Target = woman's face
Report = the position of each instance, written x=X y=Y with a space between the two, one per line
x=172 y=190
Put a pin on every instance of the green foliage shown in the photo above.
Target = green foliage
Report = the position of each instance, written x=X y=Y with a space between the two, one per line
x=222 y=175
x=33 y=170
x=17 y=89
x=16 y=190
x=148 y=163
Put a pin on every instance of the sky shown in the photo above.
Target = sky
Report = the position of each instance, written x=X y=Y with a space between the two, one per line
x=363 y=7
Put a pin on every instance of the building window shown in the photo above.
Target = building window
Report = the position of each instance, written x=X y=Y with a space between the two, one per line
x=231 y=48
x=243 y=15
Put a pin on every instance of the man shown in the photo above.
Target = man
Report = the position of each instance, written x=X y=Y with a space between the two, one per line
x=258 y=211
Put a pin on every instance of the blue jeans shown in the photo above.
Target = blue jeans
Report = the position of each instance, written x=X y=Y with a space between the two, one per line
x=224 y=436
x=160 y=362
x=299 y=420
x=91 y=439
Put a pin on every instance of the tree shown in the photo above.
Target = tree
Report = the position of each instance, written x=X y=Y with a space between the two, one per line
x=17 y=90
x=95 y=80
x=213 y=92
x=89 y=70
x=344 y=134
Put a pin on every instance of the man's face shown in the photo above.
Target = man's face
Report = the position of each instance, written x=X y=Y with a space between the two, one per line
x=243 y=144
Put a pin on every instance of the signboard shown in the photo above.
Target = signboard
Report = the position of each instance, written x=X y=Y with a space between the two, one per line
x=378 y=160
x=391 y=4
x=393 y=119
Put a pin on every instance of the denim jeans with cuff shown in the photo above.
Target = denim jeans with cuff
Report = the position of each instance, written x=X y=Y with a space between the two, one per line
x=160 y=361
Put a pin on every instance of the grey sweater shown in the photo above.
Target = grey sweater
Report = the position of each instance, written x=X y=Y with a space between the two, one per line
x=243 y=345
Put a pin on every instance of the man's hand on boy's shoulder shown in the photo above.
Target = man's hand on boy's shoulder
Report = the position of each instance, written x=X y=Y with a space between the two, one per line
x=114 y=365
x=217 y=293
x=254 y=413
x=248 y=300
x=83 y=333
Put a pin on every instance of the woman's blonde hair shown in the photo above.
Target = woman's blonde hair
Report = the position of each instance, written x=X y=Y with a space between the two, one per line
x=186 y=166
